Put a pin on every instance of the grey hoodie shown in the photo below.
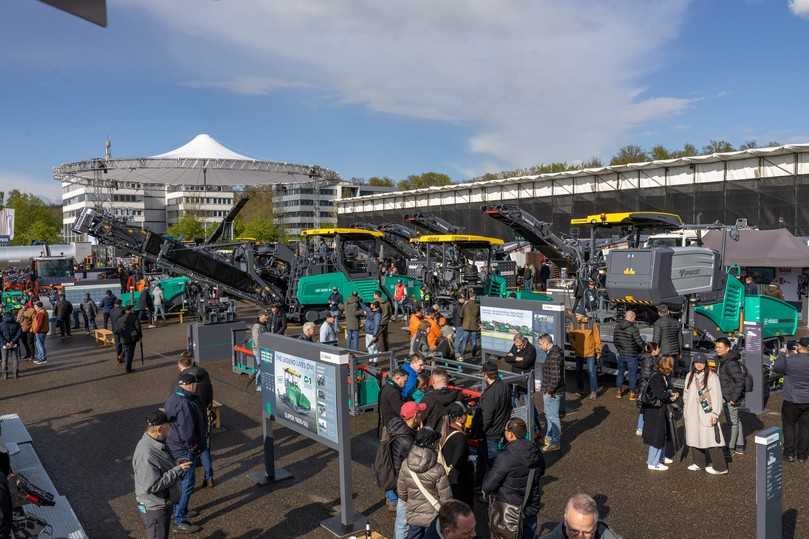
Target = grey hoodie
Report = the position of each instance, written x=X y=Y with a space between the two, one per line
x=156 y=475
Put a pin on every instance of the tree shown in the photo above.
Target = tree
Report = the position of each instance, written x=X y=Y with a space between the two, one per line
x=689 y=150
x=659 y=152
x=380 y=182
x=629 y=154
x=188 y=227
x=33 y=219
x=749 y=145
x=773 y=143
x=262 y=230
x=717 y=146
x=593 y=162
x=427 y=179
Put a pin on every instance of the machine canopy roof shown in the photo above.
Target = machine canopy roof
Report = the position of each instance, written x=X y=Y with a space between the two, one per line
x=340 y=231
x=764 y=248
x=631 y=218
x=467 y=240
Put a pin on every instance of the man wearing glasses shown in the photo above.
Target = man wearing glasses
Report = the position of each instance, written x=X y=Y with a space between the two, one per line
x=581 y=521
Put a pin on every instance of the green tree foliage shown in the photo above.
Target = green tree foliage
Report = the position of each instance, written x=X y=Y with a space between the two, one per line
x=749 y=145
x=262 y=230
x=593 y=162
x=427 y=179
x=380 y=182
x=659 y=152
x=717 y=146
x=33 y=219
x=259 y=206
x=188 y=226
x=689 y=150
x=629 y=154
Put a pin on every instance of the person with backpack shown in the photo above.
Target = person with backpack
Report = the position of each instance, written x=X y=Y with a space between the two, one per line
x=648 y=363
x=401 y=433
x=732 y=378
x=422 y=483
x=512 y=485
x=654 y=398
x=453 y=454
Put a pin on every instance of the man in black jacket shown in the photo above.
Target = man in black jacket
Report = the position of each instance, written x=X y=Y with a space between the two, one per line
x=627 y=340
x=62 y=311
x=130 y=333
x=731 y=378
x=390 y=398
x=186 y=439
x=667 y=333
x=553 y=389
x=514 y=481
x=438 y=398
x=115 y=314
x=522 y=355
x=495 y=409
x=204 y=391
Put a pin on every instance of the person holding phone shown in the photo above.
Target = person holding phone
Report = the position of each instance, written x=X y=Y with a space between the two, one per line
x=157 y=477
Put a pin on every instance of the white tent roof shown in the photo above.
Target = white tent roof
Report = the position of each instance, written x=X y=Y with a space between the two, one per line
x=201 y=161
x=203 y=146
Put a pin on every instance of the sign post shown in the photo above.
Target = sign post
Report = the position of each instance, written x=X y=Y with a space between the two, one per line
x=751 y=355
x=769 y=483
x=305 y=387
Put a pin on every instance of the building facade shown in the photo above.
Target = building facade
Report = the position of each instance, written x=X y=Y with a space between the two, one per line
x=767 y=186
x=151 y=206
x=313 y=205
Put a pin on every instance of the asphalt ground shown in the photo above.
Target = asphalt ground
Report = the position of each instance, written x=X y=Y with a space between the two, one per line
x=86 y=416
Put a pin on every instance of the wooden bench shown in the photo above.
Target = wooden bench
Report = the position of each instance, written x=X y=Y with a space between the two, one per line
x=104 y=337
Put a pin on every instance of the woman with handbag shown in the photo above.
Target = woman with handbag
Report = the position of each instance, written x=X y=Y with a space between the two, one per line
x=422 y=485
x=701 y=410
x=655 y=397
x=453 y=454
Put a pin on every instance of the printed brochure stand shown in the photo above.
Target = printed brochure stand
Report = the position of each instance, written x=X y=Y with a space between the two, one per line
x=769 y=483
x=304 y=387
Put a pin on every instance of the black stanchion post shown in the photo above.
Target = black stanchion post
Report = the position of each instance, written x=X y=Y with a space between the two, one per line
x=769 y=483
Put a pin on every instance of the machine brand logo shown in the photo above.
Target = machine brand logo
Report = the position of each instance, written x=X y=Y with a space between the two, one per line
x=629 y=271
x=688 y=273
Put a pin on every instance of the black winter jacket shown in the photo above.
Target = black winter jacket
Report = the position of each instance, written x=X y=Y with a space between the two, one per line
x=667 y=335
x=188 y=428
x=731 y=377
x=647 y=366
x=437 y=401
x=390 y=402
x=128 y=328
x=495 y=408
x=553 y=371
x=63 y=309
x=508 y=478
x=277 y=323
x=627 y=340
x=352 y=313
x=528 y=356
x=403 y=438
x=10 y=330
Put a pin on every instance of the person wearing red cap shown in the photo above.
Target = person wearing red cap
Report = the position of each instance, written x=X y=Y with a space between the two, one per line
x=402 y=430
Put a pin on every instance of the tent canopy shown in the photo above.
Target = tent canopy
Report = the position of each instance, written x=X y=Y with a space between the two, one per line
x=762 y=248
x=201 y=161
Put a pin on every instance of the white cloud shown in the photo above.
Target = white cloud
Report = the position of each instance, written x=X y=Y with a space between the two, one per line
x=45 y=187
x=800 y=8
x=534 y=81
x=248 y=85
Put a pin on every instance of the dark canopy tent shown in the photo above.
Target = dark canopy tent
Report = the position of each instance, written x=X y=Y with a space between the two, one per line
x=761 y=248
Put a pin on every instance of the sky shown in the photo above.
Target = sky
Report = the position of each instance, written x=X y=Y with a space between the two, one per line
x=370 y=88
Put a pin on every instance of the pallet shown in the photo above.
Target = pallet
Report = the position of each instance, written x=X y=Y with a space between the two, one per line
x=104 y=337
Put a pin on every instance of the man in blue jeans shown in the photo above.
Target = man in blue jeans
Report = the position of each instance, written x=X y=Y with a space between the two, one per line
x=553 y=389
x=629 y=344
x=185 y=442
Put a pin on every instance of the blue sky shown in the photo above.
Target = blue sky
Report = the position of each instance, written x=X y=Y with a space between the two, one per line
x=365 y=89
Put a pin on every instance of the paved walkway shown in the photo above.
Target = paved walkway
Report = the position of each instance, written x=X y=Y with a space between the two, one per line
x=86 y=416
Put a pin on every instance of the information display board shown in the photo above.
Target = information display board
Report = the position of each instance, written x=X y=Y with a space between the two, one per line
x=502 y=318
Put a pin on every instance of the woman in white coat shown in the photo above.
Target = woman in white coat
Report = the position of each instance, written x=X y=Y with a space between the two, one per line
x=702 y=406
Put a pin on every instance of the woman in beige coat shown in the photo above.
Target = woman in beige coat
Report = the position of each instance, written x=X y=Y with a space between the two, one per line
x=702 y=406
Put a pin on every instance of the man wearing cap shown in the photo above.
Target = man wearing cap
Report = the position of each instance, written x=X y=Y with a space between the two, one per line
x=495 y=408
x=156 y=478
x=186 y=440
x=402 y=431
x=352 y=314
x=328 y=330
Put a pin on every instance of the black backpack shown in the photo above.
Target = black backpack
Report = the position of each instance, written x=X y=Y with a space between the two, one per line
x=384 y=472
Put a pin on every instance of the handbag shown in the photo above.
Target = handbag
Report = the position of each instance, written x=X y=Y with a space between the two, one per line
x=441 y=460
x=505 y=519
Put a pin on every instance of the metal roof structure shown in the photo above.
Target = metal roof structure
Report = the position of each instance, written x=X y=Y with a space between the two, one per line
x=201 y=161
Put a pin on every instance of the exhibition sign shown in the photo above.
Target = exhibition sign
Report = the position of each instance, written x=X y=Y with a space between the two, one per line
x=502 y=318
